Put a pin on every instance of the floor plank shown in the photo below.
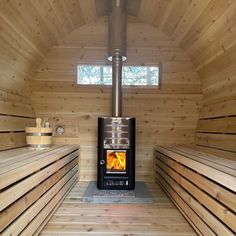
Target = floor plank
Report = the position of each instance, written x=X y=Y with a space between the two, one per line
x=75 y=217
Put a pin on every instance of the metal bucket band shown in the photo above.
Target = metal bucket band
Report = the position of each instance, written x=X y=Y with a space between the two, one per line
x=39 y=145
x=39 y=134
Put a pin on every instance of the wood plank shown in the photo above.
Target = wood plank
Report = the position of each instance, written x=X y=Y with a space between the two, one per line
x=15 y=172
x=213 y=10
x=193 y=218
x=223 y=213
x=196 y=8
x=218 y=39
x=76 y=217
x=224 y=125
x=8 y=123
x=220 y=91
x=219 y=63
x=12 y=18
x=49 y=207
x=13 y=193
x=17 y=41
x=216 y=191
x=16 y=162
x=16 y=109
x=226 y=108
x=213 y=151
x=88 y=9
x=219 y=141
x=226 y=166
x=218 y=176
x=21 y=222
x=12 y=140
x=208 y=217
x=15 y=209
x=175 y=15
x=217 y=159
x=12 y=156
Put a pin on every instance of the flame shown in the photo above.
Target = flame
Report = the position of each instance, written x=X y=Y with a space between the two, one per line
x=116 y=160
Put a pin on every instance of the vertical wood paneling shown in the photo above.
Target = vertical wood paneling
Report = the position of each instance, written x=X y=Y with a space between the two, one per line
x=164 y=116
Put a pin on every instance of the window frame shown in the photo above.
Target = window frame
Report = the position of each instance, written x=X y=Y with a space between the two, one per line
x=156 y=87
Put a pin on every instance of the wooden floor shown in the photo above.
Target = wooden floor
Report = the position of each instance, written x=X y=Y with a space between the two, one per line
x=77 y=218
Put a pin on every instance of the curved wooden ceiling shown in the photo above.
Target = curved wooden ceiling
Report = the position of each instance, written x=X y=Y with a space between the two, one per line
x=33 y=26
x=44 y=22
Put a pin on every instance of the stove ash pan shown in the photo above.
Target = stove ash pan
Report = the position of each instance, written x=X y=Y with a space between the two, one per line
x=116 y=153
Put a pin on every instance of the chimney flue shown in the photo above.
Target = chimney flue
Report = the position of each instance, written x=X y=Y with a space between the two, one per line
x=117 y=51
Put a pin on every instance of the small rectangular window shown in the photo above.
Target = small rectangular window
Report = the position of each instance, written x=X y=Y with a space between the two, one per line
x=131 y=75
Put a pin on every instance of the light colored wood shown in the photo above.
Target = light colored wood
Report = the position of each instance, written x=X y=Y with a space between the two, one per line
x=174 y=171
x=26 y=202
x=12 y=140
x=88 y=9
x=77 y=217
x=192 y=217
x=50 y=207
x=213 y=151
x=226 y=108
x=19 y=206
x=221 y=125
x=21 y=222
x=210 y=159
x=214 y=9
x=76 y=108
x=10 y=195
x=187 y=21
x=8 y=123
x=221 y=141
x=216 y=191
x=216 y=175
x=228 y=217
x=20 y=170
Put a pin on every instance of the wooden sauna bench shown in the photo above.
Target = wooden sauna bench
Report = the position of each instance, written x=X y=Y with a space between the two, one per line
x=202 y=184
x=32 y=185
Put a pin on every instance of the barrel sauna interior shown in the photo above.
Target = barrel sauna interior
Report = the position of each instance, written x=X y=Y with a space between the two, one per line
x=185 y=128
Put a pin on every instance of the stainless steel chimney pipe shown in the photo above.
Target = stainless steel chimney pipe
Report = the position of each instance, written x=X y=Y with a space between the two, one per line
x=117 y=51
x=117 y=86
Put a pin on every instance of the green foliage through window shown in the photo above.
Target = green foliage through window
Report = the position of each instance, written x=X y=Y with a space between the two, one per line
x=131 y=75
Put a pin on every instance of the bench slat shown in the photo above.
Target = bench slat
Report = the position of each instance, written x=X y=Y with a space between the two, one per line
x=192 y=217
x=217 y=191
x=216 y=175
x=216 y=208
x=18 y=225
x=32 y=185
x=39 y=219
x=207 y=217
x=15 y=209
x=13 y=193
x=16 y=174
x=205 y=182
x=212 y=162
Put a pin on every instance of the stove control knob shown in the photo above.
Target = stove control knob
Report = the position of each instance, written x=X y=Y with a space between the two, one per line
x=102 y=162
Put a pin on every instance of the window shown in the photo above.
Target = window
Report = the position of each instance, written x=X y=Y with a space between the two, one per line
x=131 y=75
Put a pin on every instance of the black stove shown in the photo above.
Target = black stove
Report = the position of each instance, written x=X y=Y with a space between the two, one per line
x=116 y=153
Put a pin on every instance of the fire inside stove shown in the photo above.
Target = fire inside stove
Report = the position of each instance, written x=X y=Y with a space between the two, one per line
x=116 y=161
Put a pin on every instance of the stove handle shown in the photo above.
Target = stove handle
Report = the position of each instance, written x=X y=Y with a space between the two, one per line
x=102 y=162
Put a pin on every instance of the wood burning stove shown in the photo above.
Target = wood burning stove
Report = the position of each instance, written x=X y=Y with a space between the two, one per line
x=116 y=134
x=116 y=153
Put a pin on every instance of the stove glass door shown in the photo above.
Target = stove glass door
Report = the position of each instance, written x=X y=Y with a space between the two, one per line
x=116 y=161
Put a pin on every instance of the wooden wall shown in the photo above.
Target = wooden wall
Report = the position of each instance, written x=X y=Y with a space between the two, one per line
x=168 y=115
x=212 y=48
x=17 y=58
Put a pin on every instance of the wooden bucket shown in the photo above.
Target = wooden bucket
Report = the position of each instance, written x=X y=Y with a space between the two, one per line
x=38 y=137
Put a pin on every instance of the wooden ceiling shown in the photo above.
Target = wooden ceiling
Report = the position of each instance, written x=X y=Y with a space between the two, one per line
x=44 y=23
